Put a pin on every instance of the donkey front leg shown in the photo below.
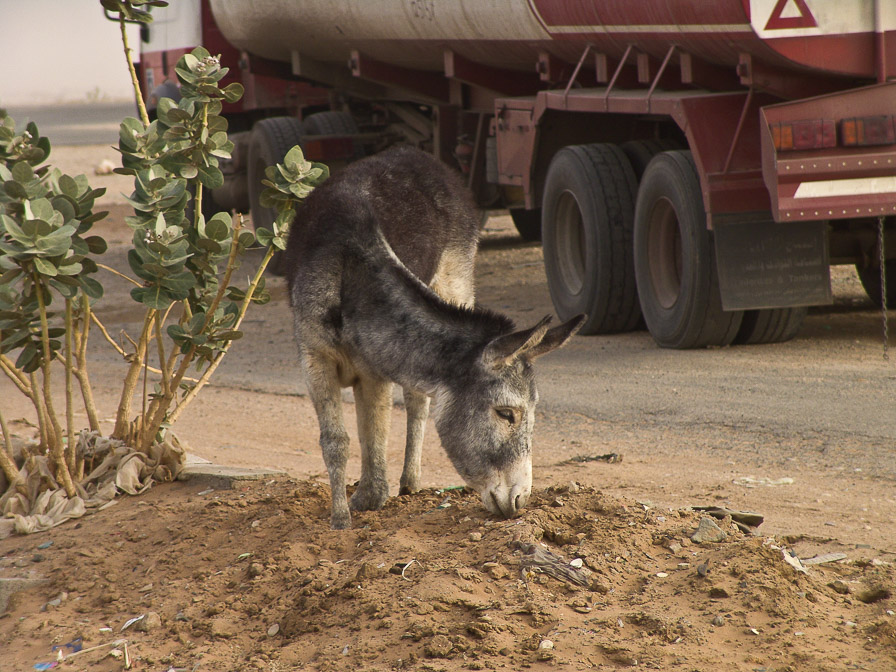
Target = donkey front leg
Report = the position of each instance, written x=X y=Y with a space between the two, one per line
x=417 y=406
x=326 y=394
x=373 y=406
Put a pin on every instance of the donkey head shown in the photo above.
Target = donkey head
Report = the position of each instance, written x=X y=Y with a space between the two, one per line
x=485 y=419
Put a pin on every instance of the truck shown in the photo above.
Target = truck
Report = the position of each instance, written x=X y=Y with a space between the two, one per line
x=691 y=166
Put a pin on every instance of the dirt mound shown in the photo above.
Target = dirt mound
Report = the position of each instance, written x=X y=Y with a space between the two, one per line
x=253 y=579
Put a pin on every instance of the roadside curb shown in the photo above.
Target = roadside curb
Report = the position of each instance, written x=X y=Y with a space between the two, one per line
x=222 y=477
x=11 y=586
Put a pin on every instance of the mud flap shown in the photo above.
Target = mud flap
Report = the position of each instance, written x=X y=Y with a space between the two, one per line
x=769 y=265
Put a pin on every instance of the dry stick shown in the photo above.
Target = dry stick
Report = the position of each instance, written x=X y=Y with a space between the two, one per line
x=141 y=106
x=160 y=404
x=56 y=447
x=119 y=349
x=81 y=371
x=70 y=456
x=17 y=377
x=7 y=464
x=42 y=428
x=131 y=380
x=160 y=343
x=119 y=274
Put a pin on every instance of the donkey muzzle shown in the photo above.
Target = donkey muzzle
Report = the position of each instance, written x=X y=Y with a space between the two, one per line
x=509 y=493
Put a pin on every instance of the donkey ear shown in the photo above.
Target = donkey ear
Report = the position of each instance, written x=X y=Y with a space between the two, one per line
x=504 y=349
x=556 y=337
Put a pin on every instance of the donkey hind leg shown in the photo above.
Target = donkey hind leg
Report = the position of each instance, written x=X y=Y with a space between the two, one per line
x=417 y=406
x=326 y=394
x=373 y=405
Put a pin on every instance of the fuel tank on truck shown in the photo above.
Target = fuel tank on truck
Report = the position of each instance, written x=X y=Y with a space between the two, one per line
x=842 y=37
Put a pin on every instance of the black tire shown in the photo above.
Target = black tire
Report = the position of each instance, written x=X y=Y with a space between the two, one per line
x=329 y=123
x=641 y=152
x=271 y=139
x=527 y=223
x=870 y=277
x=587 y=224
x=678 y=282
x=769 y=325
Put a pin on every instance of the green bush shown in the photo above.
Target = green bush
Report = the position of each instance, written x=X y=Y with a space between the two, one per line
x=183 y=263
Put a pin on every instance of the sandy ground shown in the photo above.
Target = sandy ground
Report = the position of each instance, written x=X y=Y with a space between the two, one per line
x=803 y=433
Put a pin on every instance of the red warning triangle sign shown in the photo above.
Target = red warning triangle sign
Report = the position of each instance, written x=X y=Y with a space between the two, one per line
x=778 y=21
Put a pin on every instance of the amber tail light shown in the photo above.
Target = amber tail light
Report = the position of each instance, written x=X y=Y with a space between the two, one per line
x=863 y=131
x=807 y=134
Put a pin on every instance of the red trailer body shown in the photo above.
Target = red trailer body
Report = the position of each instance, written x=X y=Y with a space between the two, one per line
x=700 y=163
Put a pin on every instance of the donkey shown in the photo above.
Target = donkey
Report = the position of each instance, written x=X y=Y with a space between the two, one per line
x=380 y=269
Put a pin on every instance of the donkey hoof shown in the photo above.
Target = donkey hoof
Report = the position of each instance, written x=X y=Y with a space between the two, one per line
x=368 y=500
x=408 y=489
x=341 y=521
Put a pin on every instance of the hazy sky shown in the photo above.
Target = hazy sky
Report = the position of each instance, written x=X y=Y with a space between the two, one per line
x=61 y=50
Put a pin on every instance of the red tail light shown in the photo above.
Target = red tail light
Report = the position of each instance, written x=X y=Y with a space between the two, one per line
x=808 y=134
x=859 y=131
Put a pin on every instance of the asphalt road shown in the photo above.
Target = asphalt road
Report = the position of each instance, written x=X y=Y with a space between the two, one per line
x=76 y=124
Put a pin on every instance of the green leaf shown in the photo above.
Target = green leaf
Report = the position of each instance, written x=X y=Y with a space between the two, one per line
x=179 y=116
x=22 y=172
x=15 y=190
x=10 y=275
x=164 y=106
x=209 y=245
x=66 y=206
x=211 y=177
x=218 y=227
x=233 y=92
x=44 y=267
x=91 y=287
x=152 y=297
x=264 y=236
x=29 y=359
x=56 y=243
x=96 y=244
x=70 y=269
x=68 y=186
x=295 y=159
x=179 y=283
x=15 y=231
x=231 y=335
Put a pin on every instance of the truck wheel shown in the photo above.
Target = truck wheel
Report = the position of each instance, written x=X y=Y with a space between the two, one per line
x=675 y=265
x=870 y=277
x=641 y=152
x=770 y=325
x=527 y=223
x=587 y=219
x=271 y=139
x=329 y=123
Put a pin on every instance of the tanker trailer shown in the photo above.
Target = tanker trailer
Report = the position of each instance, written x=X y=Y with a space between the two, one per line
x=698 y=165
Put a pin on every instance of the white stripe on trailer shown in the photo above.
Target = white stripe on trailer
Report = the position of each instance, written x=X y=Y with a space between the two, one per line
x=656 y=28
x=858 y=186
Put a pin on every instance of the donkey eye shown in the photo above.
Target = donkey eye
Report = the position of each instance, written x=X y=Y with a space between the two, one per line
x=506 y=414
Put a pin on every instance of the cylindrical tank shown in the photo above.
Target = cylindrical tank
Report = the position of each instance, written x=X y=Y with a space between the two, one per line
x=847 y=37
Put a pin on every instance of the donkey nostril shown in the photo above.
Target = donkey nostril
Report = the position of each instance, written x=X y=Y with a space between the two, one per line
x=517 y=504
